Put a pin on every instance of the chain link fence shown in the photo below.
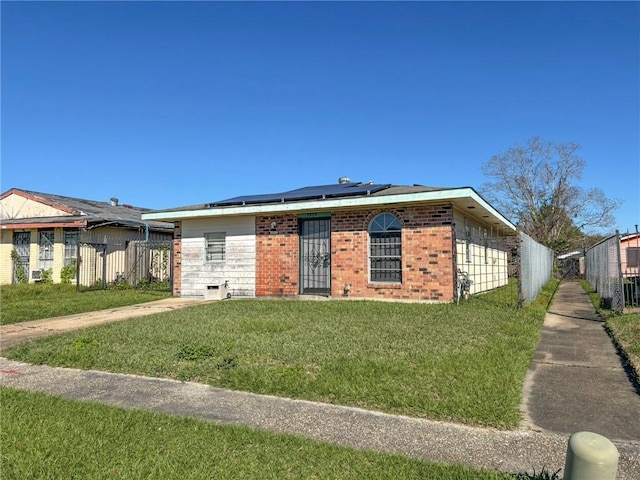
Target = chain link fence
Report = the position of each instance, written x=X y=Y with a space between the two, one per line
x=535 y=268
x=611 y=268
x=603 y=272
x=514 y=268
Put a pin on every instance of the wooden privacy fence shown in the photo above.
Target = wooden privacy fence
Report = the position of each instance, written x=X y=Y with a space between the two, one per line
x=114 y=262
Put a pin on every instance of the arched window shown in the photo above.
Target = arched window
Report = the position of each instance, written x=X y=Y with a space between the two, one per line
x=385 y=249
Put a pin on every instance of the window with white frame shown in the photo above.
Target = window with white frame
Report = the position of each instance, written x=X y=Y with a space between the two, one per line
x=45 y=249
x=70 y=246
x=215 y=247
x=467 y=244
x=486 y=246
x=385 y=249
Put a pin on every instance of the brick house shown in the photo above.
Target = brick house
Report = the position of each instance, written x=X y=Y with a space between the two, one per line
x=349 y=239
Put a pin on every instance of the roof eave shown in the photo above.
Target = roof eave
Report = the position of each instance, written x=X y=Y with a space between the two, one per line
x=43 y=225
x=334 y=203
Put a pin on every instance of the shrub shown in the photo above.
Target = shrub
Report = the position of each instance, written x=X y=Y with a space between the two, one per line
x=46 y=276
x=69 y=272
x=21 y=275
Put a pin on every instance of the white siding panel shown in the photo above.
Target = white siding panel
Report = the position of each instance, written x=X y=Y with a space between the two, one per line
x=239 y=267
x=485 y=259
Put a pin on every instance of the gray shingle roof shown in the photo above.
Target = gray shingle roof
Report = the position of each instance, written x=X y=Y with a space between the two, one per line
x=93 y=212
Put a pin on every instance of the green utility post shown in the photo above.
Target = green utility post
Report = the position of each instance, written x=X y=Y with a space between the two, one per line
x=590 y=457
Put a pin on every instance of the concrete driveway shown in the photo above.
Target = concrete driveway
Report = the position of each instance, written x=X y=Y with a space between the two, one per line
x=19 y=332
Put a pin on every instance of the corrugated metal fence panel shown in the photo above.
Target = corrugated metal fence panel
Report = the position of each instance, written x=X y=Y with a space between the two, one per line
x=107 y=261
x=536 y=267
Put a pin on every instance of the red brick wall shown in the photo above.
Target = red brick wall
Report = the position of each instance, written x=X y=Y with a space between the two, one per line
x=277 y=255
x=427 y=254
x=177 y=259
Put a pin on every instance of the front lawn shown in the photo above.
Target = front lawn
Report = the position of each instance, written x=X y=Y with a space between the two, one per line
x=46 y=437
x=464 y=363
x=34 y=301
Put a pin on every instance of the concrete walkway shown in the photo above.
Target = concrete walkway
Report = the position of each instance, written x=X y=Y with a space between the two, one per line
x=15 y=333
x=577 y=380
x=552 y=409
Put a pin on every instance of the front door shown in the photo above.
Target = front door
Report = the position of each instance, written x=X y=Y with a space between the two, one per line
x=21 y=245
x=315 y=256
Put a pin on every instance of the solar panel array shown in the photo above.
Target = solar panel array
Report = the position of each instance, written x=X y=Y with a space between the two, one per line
x=306 y=193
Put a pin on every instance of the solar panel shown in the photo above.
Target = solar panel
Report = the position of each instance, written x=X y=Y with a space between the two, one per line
x=306 y=193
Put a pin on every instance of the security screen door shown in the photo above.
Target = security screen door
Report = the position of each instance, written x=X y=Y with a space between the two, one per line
x=315 y=256
x=21 y=245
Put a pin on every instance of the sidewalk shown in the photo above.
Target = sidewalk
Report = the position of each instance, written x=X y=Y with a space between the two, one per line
x=577 y=380
x=574 y=355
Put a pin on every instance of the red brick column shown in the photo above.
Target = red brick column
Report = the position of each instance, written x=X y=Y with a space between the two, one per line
x=277 y=245
x=428 y=252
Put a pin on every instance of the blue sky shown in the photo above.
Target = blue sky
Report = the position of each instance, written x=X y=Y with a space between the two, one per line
x=164 y=104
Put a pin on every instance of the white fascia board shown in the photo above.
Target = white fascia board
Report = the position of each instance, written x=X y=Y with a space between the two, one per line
x=331 y=204
x=570 y=254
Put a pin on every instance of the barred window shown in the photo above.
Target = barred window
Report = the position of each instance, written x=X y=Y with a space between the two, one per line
x=215 y=247
x=385 y=249
x=45 y=249
x=70 y=242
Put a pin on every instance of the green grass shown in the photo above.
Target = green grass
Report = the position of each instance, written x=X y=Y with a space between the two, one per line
x=462 y=363
x=625 y=330
x=595 y=299
x=47 y=437
x=34 y=301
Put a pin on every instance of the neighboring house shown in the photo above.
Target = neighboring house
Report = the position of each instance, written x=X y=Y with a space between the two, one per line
x=630 y=255
x=44 y=230
x=359 y=240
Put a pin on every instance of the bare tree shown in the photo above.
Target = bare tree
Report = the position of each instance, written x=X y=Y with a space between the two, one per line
x=535 y=185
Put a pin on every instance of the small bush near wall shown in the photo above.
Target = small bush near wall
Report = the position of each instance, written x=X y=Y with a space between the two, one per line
x=21 y=276
x=46 y=276
x=69 y=272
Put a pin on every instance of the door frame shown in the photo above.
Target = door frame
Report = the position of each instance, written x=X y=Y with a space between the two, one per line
x=315 y=259
x=25 y=260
